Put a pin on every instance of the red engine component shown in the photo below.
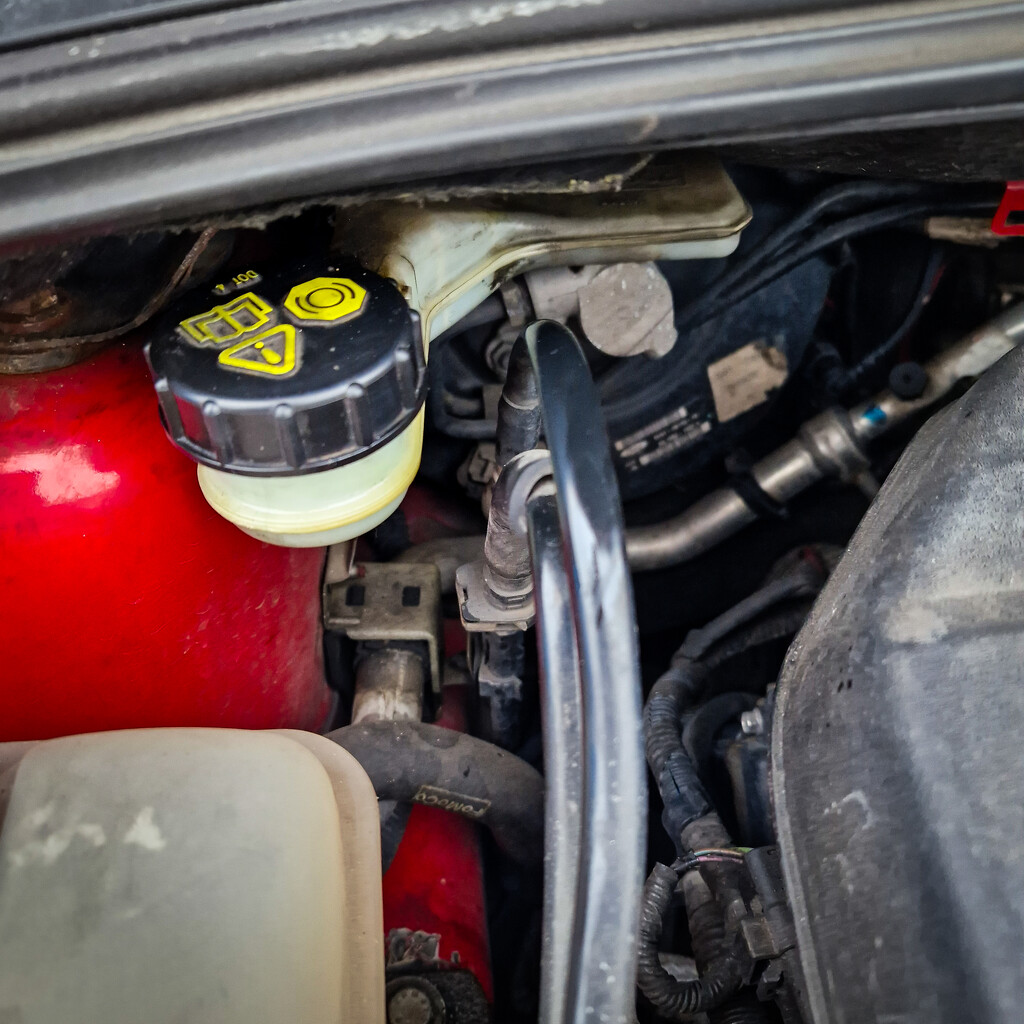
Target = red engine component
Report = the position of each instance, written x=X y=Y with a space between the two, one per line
x=124 y=599
x=435 y=883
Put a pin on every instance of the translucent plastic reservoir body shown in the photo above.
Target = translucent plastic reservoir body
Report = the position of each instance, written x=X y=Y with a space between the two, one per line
x=200 y=875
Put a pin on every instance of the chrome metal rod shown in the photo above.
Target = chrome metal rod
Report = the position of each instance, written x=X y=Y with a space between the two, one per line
x=603 y=952
x=561 y=716
x=828 y=445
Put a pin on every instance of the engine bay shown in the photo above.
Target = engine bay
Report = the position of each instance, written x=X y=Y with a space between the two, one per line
x=563 y=597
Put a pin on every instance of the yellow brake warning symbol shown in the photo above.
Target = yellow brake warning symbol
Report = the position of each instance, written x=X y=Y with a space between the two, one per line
x=272 y=352
x=325 y=300
x=243 y=315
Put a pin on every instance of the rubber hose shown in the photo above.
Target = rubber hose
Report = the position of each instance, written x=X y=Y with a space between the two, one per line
x=779 y=626
x=689 y=815
x=414 y=762
x=675 y=999
x=688 y=680
x=393 y=819
x=670 y=696
x=803 y=580
x=444 y=419
x=454 y=426
x=781 y=238
x=682 y=792
x=519 y=418
x=868 y=366
x=886 y=217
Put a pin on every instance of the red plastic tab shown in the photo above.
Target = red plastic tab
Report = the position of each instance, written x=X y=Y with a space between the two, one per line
x=1005 y=222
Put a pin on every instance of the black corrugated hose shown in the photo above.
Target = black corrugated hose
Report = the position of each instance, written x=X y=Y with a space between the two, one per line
x=682 y=793
x=688 y=810
x=673 y=998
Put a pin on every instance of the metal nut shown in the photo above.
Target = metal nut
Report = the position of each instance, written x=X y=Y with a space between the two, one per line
x=752 y=722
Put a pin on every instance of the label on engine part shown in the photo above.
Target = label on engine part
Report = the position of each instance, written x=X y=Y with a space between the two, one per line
x=222 y=324
x=273 y=352
x=325 y=300
x=745 y=378
x=664 y=437
x=467 y=806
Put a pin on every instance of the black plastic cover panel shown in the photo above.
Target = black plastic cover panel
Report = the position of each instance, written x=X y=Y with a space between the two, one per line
x=898 y=763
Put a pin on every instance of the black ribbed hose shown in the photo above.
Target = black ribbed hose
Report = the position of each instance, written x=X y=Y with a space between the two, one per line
x=672 y=998
x=689 y=816
x=682 y=793
x=688 y=813
x=689 y=680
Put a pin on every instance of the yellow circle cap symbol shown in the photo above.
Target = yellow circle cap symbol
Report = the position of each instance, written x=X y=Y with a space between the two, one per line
x=325 y=300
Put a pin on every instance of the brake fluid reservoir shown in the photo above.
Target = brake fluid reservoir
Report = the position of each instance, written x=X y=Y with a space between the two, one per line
x=299 y=392
x=449 y=255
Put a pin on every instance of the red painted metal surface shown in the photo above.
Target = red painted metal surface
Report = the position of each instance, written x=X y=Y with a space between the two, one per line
x=125 y=601
x=435 y=885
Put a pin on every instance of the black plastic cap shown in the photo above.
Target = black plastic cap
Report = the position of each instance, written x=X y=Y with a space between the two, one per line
x=288 y=371
x=908 y=381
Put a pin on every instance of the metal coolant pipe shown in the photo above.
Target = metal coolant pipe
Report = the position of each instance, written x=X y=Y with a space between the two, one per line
x=830 y=444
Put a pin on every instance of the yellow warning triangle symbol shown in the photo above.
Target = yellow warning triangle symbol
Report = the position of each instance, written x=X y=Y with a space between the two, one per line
x=271 y=352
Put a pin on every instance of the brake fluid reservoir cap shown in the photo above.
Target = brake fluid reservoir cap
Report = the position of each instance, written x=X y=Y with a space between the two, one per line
x=299 y=392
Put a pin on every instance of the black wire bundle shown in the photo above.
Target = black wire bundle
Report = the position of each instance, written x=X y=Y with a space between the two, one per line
x=812 y=231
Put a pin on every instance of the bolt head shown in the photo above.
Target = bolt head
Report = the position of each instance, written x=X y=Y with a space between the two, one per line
x=752 y=722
